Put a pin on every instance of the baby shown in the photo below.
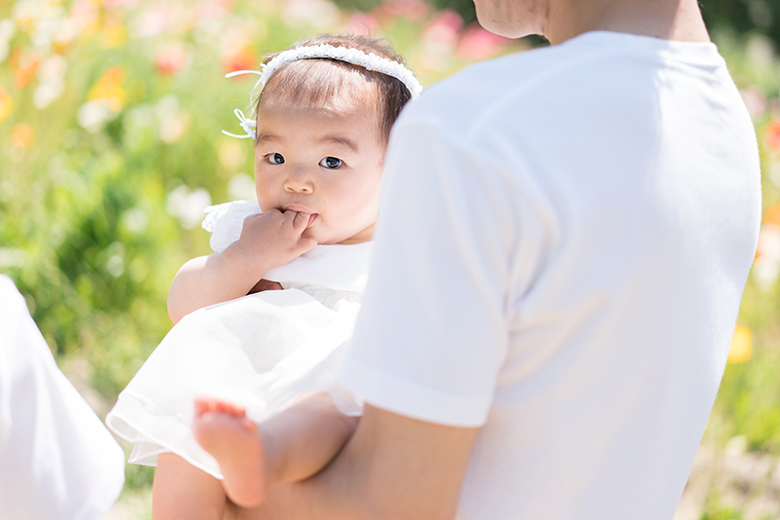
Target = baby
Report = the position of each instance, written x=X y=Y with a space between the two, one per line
x=324 y=116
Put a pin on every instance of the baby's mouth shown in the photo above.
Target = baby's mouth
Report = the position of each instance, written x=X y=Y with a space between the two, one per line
x=303 y=210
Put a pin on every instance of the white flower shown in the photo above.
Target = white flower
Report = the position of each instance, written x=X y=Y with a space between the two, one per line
x=242 y=187
x=67 y=31
x=46 y=29
x=135 y=220
x=7 y=29
x=52 y=68
x=188 y=205
x=173 y=122
x=115 y=259
x=51 y=75
x=45 y=93
x=93 y=115
x=319 y=14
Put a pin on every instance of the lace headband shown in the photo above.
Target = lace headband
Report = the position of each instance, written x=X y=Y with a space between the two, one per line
x=370 y=62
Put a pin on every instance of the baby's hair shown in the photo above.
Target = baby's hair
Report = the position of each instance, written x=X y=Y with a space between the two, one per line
x=316 y=82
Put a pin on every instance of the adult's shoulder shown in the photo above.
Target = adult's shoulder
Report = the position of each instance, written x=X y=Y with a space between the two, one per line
x=460 y=99
x=570 y=84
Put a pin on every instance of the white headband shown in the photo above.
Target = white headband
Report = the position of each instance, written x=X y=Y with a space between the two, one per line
x=370 y=62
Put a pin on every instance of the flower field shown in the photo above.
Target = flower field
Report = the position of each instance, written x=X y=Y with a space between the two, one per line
x=110 y=147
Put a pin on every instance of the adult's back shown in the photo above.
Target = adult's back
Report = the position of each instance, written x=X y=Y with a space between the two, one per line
x=562 y=245
x=598 y=206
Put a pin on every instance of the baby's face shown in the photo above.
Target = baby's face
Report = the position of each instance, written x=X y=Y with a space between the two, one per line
x=326 y=163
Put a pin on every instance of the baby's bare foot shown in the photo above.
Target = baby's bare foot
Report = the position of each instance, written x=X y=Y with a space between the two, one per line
x=224 y=430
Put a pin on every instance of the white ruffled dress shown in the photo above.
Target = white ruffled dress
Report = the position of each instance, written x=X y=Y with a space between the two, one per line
x=260 y=351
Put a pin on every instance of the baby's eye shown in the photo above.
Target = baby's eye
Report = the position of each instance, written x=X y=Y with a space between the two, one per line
x=331 y=162
x=275 y=158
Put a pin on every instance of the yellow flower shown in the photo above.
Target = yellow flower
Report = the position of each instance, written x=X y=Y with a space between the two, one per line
x=114 y=35
x=22 y=136
x=6 y=105
x=741 y=349
x=109 y=89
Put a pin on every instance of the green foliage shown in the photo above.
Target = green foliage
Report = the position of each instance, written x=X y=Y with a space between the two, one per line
x=727 y=513
x=138 y=477
x=463 y=7
x=744 y=16
x=749 y=401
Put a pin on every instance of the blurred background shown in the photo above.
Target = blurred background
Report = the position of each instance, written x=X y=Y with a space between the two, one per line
x=110 y=149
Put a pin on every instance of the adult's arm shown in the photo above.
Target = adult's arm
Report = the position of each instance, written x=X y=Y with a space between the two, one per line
x=393 y=468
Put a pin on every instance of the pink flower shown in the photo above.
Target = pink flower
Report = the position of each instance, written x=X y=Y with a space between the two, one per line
x=755 y=101
x=120 y=3
x=413 y=10
x=171 y=58
x=478 y=44
x=154 y=21
x=213 y=9
x=362 y=23
x=443 y=28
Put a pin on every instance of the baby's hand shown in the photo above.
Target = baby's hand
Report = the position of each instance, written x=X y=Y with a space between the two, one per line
x=272 y=239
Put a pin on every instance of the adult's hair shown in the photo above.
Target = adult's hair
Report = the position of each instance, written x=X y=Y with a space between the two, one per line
x=316 y=82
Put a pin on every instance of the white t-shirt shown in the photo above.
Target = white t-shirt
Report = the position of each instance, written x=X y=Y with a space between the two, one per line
x=563 y=243
x=57 y=460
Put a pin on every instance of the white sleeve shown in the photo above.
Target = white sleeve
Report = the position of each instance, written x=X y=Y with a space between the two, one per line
x=225 y=222
x=433 y=333
x=57 y=460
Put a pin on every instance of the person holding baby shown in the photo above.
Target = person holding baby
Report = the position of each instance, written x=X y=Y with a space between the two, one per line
x=563 y=240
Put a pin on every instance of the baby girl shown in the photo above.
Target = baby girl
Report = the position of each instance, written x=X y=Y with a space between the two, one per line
x=261 y=322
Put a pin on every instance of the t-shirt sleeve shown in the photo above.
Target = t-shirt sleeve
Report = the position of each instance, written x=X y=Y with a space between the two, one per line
x=433 y=330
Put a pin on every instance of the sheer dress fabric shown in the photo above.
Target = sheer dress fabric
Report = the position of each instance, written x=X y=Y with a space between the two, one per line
x=260 y=351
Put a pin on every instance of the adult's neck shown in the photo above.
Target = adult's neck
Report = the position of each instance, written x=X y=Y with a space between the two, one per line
x=678 y=20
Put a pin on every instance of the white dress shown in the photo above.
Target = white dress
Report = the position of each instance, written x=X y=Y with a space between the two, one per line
x=260 y=351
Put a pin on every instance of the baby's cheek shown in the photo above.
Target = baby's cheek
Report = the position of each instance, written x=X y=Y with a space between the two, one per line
x=264 y=188
x=265 y=201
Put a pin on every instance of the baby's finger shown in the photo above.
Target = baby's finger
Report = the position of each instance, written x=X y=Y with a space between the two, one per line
x=252 y=218
x=306 y=244
x=301 y=221
x=272 y=214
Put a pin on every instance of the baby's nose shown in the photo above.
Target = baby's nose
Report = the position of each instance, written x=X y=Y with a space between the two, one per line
x=299 y=181
x=292 y=187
